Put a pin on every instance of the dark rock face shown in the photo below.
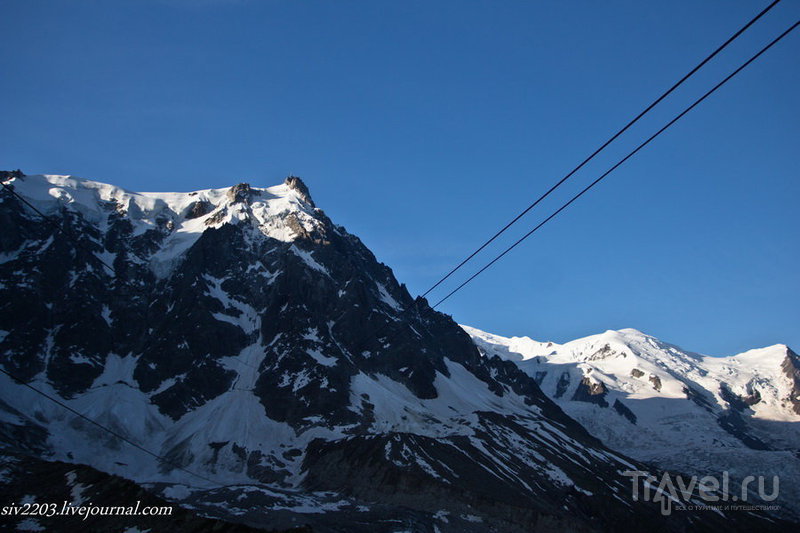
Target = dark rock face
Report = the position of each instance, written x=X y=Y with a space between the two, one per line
x=592 y=392
x=732 y=422
x=751 y=399
x=279 y=353
x=698 y=398
x=637 y=373
x=199 y=209
x=737 y=402
x=58 y=483
x=563 y=385
x=341 y=467
x=624 y=411
x=791 y=367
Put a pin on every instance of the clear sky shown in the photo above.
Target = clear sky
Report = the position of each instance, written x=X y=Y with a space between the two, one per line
x=424 y=126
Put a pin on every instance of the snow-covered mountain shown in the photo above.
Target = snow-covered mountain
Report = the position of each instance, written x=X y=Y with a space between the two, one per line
x=681 y=410
x=282 y=371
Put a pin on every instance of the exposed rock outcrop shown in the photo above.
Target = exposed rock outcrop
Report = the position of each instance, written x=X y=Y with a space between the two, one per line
x=297 y=184
x=791 y=368
x=591 y=391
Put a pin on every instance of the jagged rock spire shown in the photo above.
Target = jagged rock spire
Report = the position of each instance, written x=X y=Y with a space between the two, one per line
x=296 y=184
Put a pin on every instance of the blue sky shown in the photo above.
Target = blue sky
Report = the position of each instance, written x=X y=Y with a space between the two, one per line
x=424 y=126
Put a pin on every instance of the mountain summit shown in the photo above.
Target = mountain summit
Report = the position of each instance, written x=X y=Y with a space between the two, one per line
x=681 y=410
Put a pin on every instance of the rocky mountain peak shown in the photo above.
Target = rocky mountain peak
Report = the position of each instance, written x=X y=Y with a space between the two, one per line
x=791 y=367
x=297 y=184
x=11 y=174
x=241 y=193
